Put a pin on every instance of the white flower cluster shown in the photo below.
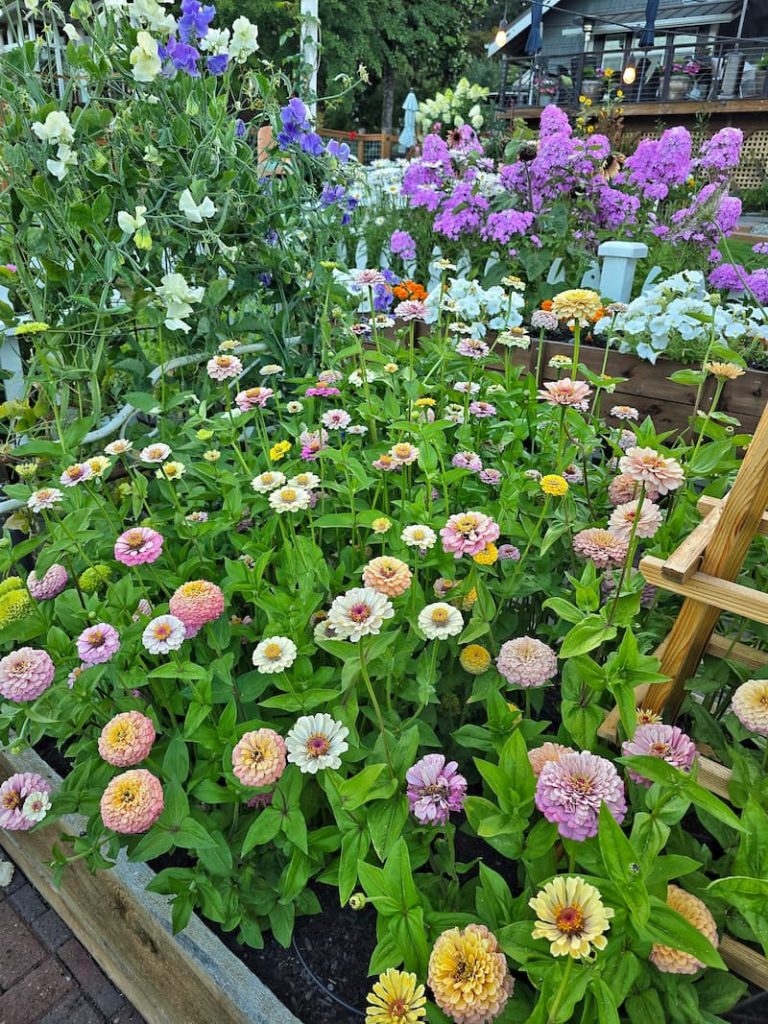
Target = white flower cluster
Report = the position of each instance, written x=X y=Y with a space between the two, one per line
x=455 y=107
x=480 y=308
x=679 y=307
x=177 y=296
x=57 y=131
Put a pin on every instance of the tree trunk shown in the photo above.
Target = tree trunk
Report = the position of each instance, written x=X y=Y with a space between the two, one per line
x=387 y=98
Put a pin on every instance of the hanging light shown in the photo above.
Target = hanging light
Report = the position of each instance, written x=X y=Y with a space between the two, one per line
x=629 y=74
x=501 y=32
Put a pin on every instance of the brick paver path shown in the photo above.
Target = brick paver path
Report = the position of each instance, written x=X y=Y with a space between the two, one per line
x=46 y=975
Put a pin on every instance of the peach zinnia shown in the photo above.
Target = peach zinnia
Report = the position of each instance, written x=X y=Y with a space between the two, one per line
x=389 y=576
x=132 y=802
x=648 y=467
x=196 y=603
x=259 y=758
x=126 y=739
x=696 y=912
x=468 y=975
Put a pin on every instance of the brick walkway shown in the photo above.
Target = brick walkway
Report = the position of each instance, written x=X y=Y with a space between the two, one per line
x=46 y=975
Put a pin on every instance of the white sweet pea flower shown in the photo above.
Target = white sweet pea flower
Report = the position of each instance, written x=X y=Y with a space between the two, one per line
x=55 y=130
x=151 y=14
x=216 y=41
x=177 y=296
x=244 y=40
x=145 y=58
x=131 y=224
x=65 y=158
x=195 y=212
x=71 y=32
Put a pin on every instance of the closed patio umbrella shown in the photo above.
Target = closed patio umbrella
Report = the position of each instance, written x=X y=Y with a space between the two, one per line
x=649 y=32
x=408 y=134
x=533 y=42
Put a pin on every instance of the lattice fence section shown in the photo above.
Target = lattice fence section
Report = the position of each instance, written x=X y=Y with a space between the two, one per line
x=752 y=172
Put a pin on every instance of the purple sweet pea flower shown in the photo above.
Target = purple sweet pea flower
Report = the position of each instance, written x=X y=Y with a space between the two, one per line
x=239 y=128
x=217 y=64
x=332 y=194
x=312 y=143
x=179 y=57
x=194 y=20
x=338 y=149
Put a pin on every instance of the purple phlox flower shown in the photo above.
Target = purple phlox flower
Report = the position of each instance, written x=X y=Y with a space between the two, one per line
x=338 y=149
x=402 y=244
x=722 y=152
x=194 y=20
x=757 y=283
x=554 y=121
x=658 y=164
x=500 y=227
x=435 y=788
x=728 y=276
x=179 y=57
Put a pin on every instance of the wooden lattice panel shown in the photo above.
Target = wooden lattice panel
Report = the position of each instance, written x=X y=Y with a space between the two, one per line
x=752 y=171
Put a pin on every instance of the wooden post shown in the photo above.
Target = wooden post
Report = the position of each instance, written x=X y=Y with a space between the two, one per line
x=739 y=522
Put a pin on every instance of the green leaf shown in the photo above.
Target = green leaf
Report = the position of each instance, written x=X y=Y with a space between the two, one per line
x=354 y=792
x=668 y=928
x=564 y=609
x=708 y=802
x=354 y=846
x=263 y=830
x=586 y=636
x=691 y=378
x=386 y=819
x=192 y=835
x=176 y=760
x=621 y=865
x=154 y=844
x=605 y=1002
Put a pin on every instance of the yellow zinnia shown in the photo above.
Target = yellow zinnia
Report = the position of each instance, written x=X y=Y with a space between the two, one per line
x=577 y=305
x=475 y=659
x=488 y=556
x=396 y=998
x=554 y=485
x=571 y=916
x=279 y=451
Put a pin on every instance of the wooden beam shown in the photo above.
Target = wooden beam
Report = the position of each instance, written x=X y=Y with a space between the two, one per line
x=721 y=647
x=705 y=505
x=720 y=595
x=745 y=961
x=686 y=559
x=715 y=777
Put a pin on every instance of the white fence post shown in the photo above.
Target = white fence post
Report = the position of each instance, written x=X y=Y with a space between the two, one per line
x=620 y=261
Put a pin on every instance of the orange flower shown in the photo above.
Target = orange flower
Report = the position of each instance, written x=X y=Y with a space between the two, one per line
x=547 y=304
x=410 y=290
x=598 y=315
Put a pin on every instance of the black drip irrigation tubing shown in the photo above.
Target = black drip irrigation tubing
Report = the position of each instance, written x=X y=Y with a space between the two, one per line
x=324 y=988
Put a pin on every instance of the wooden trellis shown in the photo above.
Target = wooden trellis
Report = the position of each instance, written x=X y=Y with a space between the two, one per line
x=703 y=570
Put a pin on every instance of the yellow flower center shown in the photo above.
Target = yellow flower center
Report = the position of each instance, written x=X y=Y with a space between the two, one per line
x=162 y=631
x=288 y=494
x=11 y=800
x=659 y=749
x=569 y=920
x=466 y=524
x=317 y=745
x=440 y=616
x=273 y=651
x=196 y=588
x=134 y=540
x=359 y=612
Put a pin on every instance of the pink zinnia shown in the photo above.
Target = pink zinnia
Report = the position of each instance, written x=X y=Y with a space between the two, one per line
x=336 y=419
x=570 y=792
x=668 y=742
x=75 y=474
x=259 y=758
x=51 y=584
x=646 y=466
x=139 y=545
x=196 y=603
x=132 y=802
x=435 y=789
x=604 y=548
x=542 y=319
x=623 y=516
x=467 y=460
x=369 y=278
x=492 y=477
x=25 y=674
x=321 y=391
x=13 y=794
x=411 y=309
x=624 y=488
x=526 y=662
x=482 y=410
x=252 y=397
x=98 y=644
x=126 y=739
x=468 y=533
x=224 y=367
x=472 y=348
x=565 y=391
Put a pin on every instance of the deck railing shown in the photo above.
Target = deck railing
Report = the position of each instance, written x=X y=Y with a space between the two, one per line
x=723 y=70
x=365 y=146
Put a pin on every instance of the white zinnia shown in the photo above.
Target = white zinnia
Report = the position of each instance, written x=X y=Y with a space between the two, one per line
x=163 y=634
x=289 y=499
x=244 y=40
x=360 y=612
x=155 y=452
x=268 y=481
x=119 y=447
x=195 y=213
x=439 y=621
x=419 y=536
x=306 y=480
x=294 y=407
x=36 y=806
x=316 y=742
x=274 y=654
x=44 y=499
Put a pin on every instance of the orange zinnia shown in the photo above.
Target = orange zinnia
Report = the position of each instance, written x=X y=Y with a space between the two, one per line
x=410 y=290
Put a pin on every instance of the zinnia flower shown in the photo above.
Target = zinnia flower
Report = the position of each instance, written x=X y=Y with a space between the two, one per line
x=668 y=742
x=623 y=516
x=387 y=575
x=467 y=460
x=571 y=790
x=98 y=644
x=468 y=975
x=725 y=371
x=132 y=802
x=316 y=742
x=126 y=739
x=475 y=659
x=577 y=305
x=625 y=412
x=488 y=556
x=697 y=913
x=253 y=397
x=138 y=546
x=358 y=613
x=308 y=481
x=75 y=474
x=435 y=788
x=274 y=654
x=544 y=320
x=155 y=453
x=336 y=419
x=396 y=998
x=526 y=662
x=50 y=586
x=224 y=367
x=646 y=466
x=468 y=533
x=422 y=537
x=196 y=603
x=624 y=488
x=750 y=705
x=404 y=453
x=36 y=806
x=439 y=621
x=268 y=481
x=289 y=499
x=259 y=758
x=119 y=447
x=13 y=797
x=163 y=634
x=547 y=752
x=565 y=391
x=571 y=917
x=606 y=549
x=44 y=499
x=381 y=525
x=554 y=485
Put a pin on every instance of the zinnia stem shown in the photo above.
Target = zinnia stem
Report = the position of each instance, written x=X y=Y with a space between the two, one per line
x=576 y=344
x=376 y=708
x=555 y=1005
x=630 y=555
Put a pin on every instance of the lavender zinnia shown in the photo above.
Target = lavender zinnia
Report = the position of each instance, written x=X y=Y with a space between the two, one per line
x=668 y=742
x=435 y=789
x=570 y=792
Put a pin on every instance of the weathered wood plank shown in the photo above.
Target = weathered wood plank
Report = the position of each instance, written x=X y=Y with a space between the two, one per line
x=721 y=647
x=705 y=505
x=712 y=591
x=686 y=559
x=744 y=961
